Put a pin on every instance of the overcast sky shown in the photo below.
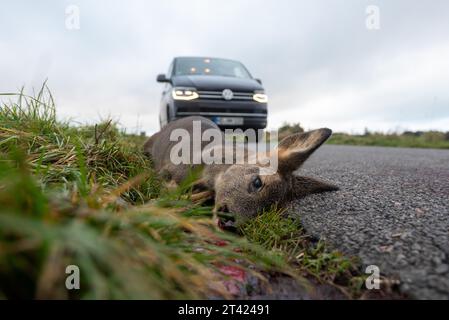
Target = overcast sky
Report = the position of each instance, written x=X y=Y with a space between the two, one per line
x=319 y=63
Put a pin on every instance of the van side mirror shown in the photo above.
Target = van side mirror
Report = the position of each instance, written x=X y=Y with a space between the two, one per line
x=162 y=78
x=258 y=80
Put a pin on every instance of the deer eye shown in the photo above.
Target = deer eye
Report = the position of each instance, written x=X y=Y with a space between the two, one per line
x=256 y=184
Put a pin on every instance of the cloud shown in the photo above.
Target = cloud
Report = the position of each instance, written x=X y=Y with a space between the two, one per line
x=319 y=63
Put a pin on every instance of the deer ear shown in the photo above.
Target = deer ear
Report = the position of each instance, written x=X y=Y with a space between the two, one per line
x=303 y=186
x=295 y=149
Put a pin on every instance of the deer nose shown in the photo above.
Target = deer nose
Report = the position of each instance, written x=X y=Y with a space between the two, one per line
x=226 y=220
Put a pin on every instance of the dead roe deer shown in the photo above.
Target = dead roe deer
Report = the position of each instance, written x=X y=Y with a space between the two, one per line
x=239 y=188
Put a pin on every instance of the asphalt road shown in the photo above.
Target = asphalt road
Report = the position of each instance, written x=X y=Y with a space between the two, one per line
x=392 y=211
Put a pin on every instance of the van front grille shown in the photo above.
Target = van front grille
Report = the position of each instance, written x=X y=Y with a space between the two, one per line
x=249 y=111
x=218 y=95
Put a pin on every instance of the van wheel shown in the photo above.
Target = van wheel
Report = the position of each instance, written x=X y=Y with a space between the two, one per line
x=168 y=114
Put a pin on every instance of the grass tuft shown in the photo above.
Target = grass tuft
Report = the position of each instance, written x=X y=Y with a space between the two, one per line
x=86 y=196
x=285 y=236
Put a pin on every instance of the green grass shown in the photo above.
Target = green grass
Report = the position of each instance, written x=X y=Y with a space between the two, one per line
x=87 y=196
x=408 y=139
x=430 y=139
x=276 y=232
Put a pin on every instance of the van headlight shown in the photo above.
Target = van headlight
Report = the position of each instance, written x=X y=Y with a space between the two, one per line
x=260 y=97
x=184 y=94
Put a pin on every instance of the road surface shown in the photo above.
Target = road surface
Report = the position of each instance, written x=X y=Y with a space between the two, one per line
x=392 y=211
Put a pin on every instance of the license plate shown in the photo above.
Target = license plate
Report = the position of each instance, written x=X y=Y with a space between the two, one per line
x=229 y=121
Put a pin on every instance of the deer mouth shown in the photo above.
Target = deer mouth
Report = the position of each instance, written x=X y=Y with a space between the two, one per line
x=226 y=220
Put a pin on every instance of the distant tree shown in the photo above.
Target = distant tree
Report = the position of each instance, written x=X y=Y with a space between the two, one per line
x=287 y=129
x=291 y=128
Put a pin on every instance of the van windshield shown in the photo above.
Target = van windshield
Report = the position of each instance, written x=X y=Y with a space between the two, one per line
x=210 y=66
